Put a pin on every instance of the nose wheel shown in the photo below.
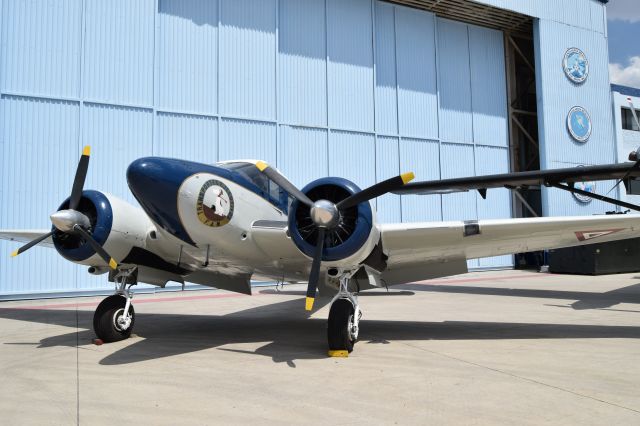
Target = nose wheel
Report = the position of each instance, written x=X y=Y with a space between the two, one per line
x=114 y=317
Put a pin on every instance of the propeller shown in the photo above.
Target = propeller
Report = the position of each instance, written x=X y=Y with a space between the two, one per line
x=633 y=156
x=326 y=214
x=72 y=221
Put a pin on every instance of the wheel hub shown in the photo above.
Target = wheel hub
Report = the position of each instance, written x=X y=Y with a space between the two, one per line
x=121 y=322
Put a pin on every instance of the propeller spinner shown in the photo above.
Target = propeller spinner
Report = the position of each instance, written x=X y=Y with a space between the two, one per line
x=326 y=214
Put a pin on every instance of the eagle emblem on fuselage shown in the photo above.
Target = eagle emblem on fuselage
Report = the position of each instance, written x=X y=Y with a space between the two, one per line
x=214 y=206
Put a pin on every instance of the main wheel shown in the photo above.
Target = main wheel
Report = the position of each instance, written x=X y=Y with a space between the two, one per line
x=107 y=320
x=341 y=317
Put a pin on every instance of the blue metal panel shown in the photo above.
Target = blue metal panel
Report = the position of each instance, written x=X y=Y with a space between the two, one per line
x=454 y=76
x=385 y=68
x=423 y=158
x=488 y=87
x=417 y=97
x=189 y=137
x=187 y=54
x=493 y=160
x=38 y=158
x=248 y=58
x=41 y=47
x=387 y=166
x=350 y=68
x=557 y=95
x=352 y=156
x=241 y=139
x=117 y=135
x=302 y=66
x=457 y=160
x=303 y=154
x=118 y=51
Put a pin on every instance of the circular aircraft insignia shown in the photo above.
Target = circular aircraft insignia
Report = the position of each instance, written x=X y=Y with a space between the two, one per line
x=579 y=124
x=215 y=204
x=576 y=65
x=585 y=186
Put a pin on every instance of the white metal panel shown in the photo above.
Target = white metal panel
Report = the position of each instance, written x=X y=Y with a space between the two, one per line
x=189 y=137
x=350 y=68
x=387 y=166
x=303 y=154
x=417 y=92
x=187 y=54
x=118 y=51
x=386 y=102
x=454 y=78
x=423 y=158
x=352 y=156
x=302 y=66
x=248 y=58
x=38 y=164
x=41 y=47
x=488 y=87
x=242 y=139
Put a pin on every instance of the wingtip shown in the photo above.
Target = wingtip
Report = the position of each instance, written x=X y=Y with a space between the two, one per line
x=261 y=165
x=407 y=177
x=309 y=303
x=86 y=151
x=14 y=254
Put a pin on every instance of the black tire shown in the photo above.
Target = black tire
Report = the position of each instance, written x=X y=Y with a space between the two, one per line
x=338 y=326
x=104 y=319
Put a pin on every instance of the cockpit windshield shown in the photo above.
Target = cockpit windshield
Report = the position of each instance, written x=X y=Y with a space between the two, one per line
x=265 y=186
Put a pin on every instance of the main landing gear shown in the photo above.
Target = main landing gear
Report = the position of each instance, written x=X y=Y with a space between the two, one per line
x=344 y=319
x=114 y=317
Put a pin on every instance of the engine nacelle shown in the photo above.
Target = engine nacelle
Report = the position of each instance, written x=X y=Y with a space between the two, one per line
x=347 y=244
x=115 y=224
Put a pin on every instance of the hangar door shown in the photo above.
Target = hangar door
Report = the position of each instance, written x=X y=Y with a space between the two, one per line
x=356 y=88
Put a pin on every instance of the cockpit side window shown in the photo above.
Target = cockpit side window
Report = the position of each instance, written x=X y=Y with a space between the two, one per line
x=269 y=189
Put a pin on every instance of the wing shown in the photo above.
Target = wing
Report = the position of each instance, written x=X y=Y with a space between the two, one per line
x=552 y=177
x=415 y=249
x=25 y=235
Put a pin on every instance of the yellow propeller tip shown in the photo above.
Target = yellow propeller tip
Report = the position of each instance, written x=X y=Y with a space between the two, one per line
x=308 y=305
x=407 y=177
x=261 y=165
x=86 y=151
x=14 y=254
x=113 y=264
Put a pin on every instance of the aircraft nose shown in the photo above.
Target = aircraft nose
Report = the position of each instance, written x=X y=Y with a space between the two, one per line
x=155 y=183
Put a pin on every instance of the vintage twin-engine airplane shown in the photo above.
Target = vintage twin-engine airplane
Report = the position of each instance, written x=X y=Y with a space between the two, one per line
x=222 y=225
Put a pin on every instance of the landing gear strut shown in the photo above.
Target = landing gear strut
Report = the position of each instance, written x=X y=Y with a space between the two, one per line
x=114 y=317
x=344 y=319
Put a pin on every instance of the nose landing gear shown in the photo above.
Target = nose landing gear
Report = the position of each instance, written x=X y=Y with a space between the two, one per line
x=114 y=317
x=343 y=325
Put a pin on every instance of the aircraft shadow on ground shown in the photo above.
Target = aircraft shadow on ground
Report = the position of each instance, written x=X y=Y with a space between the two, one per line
x=582 y=299
x=290 y=334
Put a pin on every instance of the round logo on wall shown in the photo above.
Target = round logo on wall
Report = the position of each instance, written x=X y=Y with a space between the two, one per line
x=585 y=186
x=579 y=124
x=576 y=65
x=215 y=204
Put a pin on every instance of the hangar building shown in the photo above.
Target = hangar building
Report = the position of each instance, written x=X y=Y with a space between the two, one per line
x=362 y=89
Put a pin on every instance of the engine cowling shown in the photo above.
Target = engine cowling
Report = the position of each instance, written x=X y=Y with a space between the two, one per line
x=356 y=234
x=115 y=224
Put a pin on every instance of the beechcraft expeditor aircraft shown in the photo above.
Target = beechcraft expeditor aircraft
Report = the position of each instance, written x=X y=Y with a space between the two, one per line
x=222 y=225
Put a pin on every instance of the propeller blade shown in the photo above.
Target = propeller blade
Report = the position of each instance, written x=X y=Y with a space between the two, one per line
x=78 y=181
x=284 y=183
x=376 y=190
x=622 y=179
x=31 y=244
x=314 y=276
x=97 y=247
